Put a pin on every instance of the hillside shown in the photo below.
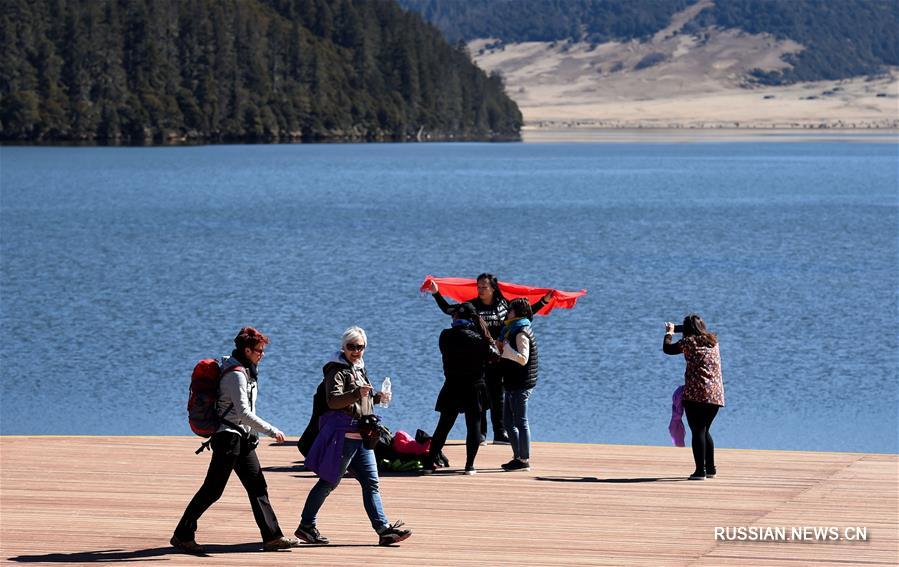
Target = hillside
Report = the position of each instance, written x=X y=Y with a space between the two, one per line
x=842 y=39
x=689 y=73
x=142 y=71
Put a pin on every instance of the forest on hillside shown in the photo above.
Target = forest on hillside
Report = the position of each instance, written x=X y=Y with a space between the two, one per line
x=145 y=71
x=843 y=38
x=510 y=21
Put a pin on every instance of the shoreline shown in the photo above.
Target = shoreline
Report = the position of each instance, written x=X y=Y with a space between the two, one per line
x=584 y=132
x=561 y=131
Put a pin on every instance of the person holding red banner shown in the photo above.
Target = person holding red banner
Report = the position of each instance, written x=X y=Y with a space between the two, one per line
x=492 y=306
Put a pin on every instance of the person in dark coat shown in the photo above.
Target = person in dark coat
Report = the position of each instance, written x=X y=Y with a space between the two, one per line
x=465 y=348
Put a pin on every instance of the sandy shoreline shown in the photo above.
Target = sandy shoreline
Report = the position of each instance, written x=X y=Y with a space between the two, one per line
x=580 y=133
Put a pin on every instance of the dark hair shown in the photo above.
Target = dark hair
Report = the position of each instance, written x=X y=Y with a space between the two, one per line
x=248 y=337
x=522 y=307
x=694 y=326
x=494 y=283
x=467 y=311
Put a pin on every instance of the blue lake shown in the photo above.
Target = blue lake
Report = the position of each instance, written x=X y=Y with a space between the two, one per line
x=121 y=267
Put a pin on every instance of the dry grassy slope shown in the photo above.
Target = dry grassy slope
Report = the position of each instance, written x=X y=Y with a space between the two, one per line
x=702 y=82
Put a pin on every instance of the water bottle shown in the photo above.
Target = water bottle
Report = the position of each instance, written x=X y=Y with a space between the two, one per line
x=385 y=389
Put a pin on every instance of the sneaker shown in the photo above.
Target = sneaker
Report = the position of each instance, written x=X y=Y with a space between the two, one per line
x=187 y=546
x=310 y=534
x=280 y=543
x=483 y=442
x=517 y=465
x=471 y=470
x=502 y=439
x=710 y=473
x=697 y=476
x=394 y=533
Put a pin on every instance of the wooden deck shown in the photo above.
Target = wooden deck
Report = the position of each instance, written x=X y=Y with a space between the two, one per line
x=105 y=500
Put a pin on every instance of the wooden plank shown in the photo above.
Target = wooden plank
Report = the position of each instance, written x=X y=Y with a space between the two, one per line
x=92 y=500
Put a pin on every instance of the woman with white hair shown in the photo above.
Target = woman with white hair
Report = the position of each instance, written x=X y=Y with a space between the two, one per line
x=339 y=445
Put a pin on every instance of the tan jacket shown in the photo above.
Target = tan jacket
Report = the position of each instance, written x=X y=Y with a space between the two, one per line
x=342 y=383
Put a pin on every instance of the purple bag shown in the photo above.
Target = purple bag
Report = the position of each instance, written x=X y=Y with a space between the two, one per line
x=676 y=425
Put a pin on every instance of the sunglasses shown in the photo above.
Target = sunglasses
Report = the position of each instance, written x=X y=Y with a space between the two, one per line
x=355 y=348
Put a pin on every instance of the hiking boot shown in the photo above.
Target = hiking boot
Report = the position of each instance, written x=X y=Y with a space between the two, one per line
x=187 y=546
x=310 y=534
x=394 y=533
x=517 y=465
x=280 y=543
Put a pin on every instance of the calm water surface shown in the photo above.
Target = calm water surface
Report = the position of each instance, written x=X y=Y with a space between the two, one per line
x=121 y=267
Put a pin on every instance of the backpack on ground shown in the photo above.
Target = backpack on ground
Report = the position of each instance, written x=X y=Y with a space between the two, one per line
x=203 y=398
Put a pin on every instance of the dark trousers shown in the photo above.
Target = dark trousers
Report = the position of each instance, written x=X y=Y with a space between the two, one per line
x=231 y=452
x=472 y=439
x=699 y=418
x=494 y=378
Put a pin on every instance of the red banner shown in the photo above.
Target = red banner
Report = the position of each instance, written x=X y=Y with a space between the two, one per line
x=466 y=289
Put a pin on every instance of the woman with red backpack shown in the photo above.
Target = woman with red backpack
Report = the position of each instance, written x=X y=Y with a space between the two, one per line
x=234 y=448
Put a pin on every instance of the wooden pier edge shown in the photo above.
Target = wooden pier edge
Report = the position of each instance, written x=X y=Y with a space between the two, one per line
x=82 y=500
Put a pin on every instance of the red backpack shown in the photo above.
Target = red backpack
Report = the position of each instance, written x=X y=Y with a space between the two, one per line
x=203 y=397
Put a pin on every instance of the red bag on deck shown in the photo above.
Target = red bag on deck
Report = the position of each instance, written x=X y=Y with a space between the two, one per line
x=405 y=444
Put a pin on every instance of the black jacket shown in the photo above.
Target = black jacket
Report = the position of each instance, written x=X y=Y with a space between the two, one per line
x=319 y=407
x=465 y=354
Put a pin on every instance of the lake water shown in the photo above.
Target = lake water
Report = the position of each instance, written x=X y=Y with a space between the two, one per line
x=121 y=267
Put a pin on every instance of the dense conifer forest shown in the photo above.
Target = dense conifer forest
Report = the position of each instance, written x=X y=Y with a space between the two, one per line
x=145 y=71
x=843 y=38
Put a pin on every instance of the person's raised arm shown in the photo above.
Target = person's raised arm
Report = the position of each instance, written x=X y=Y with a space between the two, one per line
x=667 y=346
x=543 y=302
x=442 y=303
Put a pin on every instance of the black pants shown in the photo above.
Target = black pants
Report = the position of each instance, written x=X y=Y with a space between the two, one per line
x=494 y=378
x=231 y=452
x=472 y=439
x=700 y=417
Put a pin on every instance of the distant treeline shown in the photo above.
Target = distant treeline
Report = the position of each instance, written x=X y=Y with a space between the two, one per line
x=843 y=38
x=238 y=70
x=595 y=21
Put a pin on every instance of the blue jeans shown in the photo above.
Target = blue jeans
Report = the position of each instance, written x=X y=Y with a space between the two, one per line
x=515 y=419
x=361 y=462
